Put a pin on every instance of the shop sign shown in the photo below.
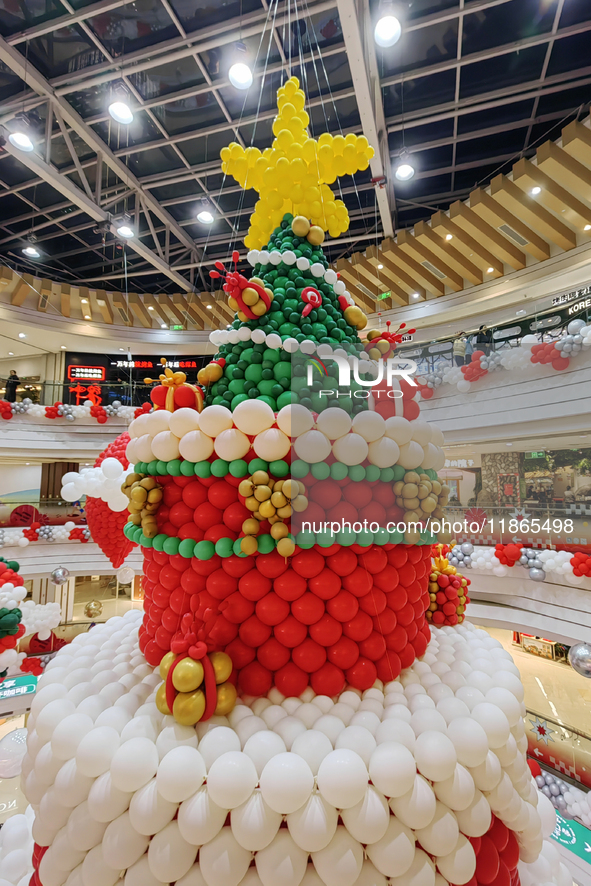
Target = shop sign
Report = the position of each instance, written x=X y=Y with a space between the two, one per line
x=459 y=462
x=571 y=296
x=94 y=373
x=580 y=306
x=576 y=837
x=15 y=687
x=148 y=364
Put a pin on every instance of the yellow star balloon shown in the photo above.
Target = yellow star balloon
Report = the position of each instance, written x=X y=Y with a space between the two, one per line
x=294 y=174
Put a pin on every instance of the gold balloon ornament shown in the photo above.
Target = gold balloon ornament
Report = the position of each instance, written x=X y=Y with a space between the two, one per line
x=145 y=495
x=274 y=501
x=93 y=609
x=195 y=689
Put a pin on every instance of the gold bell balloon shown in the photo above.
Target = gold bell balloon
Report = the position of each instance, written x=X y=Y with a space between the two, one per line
x=192 y=685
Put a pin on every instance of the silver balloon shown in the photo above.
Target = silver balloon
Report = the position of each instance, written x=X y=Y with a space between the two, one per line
x=540 y=781
x=523 y=561
x=537 y=574
x=554 y=790
x=548 y=778
x=467 y=548
x=546 y=791
x=536 y=564
x=60 y=575
x=579 y=657
x=561 y=802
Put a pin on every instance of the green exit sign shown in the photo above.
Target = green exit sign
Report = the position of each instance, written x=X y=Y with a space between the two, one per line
x=383 y=295
x=15 y=687
x=177 y=326
x=574 y=836
x=535 y=455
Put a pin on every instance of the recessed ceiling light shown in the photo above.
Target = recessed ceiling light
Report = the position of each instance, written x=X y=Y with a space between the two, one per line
x=490 y=270
x=11 y=353
x=209 y=307
x=535 y=191
x=449 y=236
x=27 y=463
x=587 y=228
x=150 y=308
x=415 y=295
x=508 y=444
x=22 y=335
x=163 y=326
x=86 y=317
x=64 y=347
x=380 y=267
x=121 y=349
x=84 y=301
x=21 y=141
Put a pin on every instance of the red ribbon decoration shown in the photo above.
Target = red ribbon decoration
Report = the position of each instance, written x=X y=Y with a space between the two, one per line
x=313 y=299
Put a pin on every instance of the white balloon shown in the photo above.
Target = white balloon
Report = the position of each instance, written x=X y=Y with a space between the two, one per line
x=392 y=769
x=217 y=742
x=286 y=782
x=254 y=823
x=469 y=740
x=342 y=778
x=313 y=825
x=281 y=862
x=441 y=833
x=339 y=864
x=180 y=773
x=457 y=791
x=367 y=821
x=169 y=855
x=134 y=764
x=96 y=750
x=223 y=861
x=200 y=819
x=460 y=864
x=122 y=845
x=416 y=808
x=106 y=802
x=231 y=779
x=313 y=746
x=393 y=854
x=149 y=812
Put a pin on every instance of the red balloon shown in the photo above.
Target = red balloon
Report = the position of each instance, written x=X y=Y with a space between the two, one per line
x=343 y=562
x=487 y=862
x=291 y=680
x=344 y=653
x=222 y=495
x=236 y=608
x=253 y=632
x=194 y=494
x=206 y=515
x=358 y=494
x=240 y=653
x=326 y=584
x=374 y=602
x=169 y=578
x=170 y=620
x=290 y=585
x=215 y=533
x=191 y=530
x=375 y=560
x=180 y=513
x=560 y=363
x=163 y=638
x=326 y=631
x=397 y=599
x=363 y=674
x=407 y=656
x=359 y=627
x=343 y=607
x=191 y=582
x=359 y=582
x=237 y=566
x=374 y=647
x=235 y=515
x=273 y=654
x=171 y=494
x=308 y=608
x=328 y=680
x=254 y=679
x=407 y=574
x=309 y=656
x=222 y=631
x=271 y=565
x=385 y=622
x=220 y=585
x=398 y=556
x=272 y=610
x=254 y=586
x=326 y=493
x=406 y=615
x=290 y=632
x=308 y=563
x=388 y=666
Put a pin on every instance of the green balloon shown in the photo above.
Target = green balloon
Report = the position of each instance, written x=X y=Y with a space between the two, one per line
x=387 y=475
x=224 y=547
x=145 y=542
x=320 y=470
x=254 y=373
x=171 y=545
x=238 y=468
x=187 y=469
x=372 y=472
x=279 y=468
x=346 y=537
x=396 y=537
x=174 y=467
x=158 y=541
x=203 y=469
x=381 y=537
x=357 y=473
x=338 y=471
x=287 y=398
x=186 y=548
x=266 y=544
x=152 y=468
x=219 y=467
x=204 y=550
x=299 y=469
x=238 y=552
x=239 y=398
x=365 y=538
x=236 y=386
x=305 y=540
x=399 y=472
x=270 y=402
x=258 y=464
x=282 y=370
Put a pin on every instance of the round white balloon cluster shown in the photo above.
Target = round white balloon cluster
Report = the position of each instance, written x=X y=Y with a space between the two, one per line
x=103 y=482
x=547 y=869
x=381 y=787
x=40 y=618
x=72 y=412
x=484 y=559
x=14 y=535
x=12 y=595
x=16 y=849
x=230 y=435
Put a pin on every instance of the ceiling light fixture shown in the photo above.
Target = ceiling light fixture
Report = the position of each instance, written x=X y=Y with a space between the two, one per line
x=84 y=301
x=415 y=295
x=150 y=308
x=380 y=267
x=163 y=326
x=22 y=335
x=22 y=135
x=388 y=28
x=535 y=191
x=490 y=270
x=587 y=228
x=119 y=108
x=449 y=236
x=209 y=307
x=31 y=251
x=405 y=170
x=240 y=74
x=64 y=347
x=11 y=353
x=123 y=227
x=86 y=317
x=205 y=215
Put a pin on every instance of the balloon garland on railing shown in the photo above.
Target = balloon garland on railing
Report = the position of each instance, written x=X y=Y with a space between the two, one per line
x=70 y=412
x=575 y=568
x=530 y=351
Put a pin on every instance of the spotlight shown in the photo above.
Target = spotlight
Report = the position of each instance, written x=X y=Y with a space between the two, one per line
x=150 y=308
x=535 y=191
x=415 y=295
x=64 y=347
x=405 y=170
x=388 y=29
x=119 y=108
x=209 y=307
x=11 y=353
x=22 y=136
x=205 y=215
x=380 y=267
x=163 y=326
x=490 y=270
x=240 y=74
x=587 y=228
x=31 y=251
x=123 y=227
x=22 y=335
x=449 y=236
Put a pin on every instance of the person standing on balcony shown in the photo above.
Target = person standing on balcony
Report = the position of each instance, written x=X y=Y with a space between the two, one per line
x=459 y=349
x=484 y=340
x=12 y=383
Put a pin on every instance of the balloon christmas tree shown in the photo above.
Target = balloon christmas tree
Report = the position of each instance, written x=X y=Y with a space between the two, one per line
x=283 y=713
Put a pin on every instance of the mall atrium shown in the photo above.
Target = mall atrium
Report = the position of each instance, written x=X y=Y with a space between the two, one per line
x=295 y=443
